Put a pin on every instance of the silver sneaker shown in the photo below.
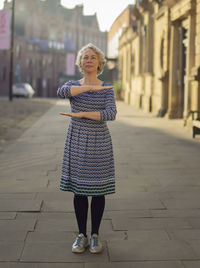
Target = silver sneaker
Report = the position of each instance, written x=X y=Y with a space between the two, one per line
x=95 y=244
x=80 y=244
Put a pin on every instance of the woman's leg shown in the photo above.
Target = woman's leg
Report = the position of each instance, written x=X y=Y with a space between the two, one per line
x=81 y=211
x=97 y=209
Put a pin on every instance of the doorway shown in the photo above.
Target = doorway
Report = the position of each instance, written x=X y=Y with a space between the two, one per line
x=184 y=44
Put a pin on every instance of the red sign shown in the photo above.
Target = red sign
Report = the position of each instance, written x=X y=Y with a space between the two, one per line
x=70 y=64
x=5 y=18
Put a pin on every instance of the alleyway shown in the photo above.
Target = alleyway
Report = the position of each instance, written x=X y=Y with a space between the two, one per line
x=153 y=220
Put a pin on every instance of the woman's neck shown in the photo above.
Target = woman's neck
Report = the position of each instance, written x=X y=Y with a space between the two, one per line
x=90 y=79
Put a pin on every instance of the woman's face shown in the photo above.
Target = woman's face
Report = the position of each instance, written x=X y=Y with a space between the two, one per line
x=89 y=61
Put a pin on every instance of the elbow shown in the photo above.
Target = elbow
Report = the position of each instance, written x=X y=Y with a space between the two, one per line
x=108 y=115
x=113 y=115
x=59 y=93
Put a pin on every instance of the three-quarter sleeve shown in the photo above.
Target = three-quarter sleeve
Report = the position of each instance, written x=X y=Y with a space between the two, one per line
x=110 y=111
x=64 y=91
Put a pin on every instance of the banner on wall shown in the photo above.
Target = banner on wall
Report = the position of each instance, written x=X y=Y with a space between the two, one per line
x=5 y=21
x=70 y=64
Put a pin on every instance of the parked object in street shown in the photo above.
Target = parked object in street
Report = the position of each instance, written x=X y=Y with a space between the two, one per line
x=196 y=123
x=23 y=90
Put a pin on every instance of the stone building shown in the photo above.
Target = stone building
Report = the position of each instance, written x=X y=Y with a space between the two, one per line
x=124 y=20
x=159 y=59
x=46 y=36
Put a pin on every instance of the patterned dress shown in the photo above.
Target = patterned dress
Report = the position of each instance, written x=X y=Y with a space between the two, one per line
x=88 y=162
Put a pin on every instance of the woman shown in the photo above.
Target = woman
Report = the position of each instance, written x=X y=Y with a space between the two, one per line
x=88 y=163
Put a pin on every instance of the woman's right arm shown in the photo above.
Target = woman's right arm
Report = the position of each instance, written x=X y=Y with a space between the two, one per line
x=68 y=90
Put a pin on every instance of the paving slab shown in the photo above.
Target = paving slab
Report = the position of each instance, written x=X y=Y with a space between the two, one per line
x=41 y=265
x=49 y=236
x=26 y=174
x=195 y=223
x=185 y=195
x=111 y=214
x=191 y=264
x=150 y=250
x=149 y=235
x=195 y=244
x=181 y=188
x=56 y=225
x=146 y=264
x=59 y=252
x=129 y=204
x=23 y=186
x=58 y=206
x=13 y=235
x=56 y=215
x=10 y=251
x=175 y=213
x=191 y=203
x=20 y=205
x=7 y=215
x=18 y=196
x=68 y=225
x=46 y=215
x=27 y=215
x=191 y=180
x=17 y=225
x=186 y=235
x=150 y=224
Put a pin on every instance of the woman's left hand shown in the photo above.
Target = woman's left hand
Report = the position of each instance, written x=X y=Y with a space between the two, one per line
x=77 y=115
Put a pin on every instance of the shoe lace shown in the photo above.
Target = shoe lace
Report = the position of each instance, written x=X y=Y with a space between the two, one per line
x=95 y=241
x=78 y=241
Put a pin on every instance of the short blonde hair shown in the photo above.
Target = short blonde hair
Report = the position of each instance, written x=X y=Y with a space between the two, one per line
x=100 y=54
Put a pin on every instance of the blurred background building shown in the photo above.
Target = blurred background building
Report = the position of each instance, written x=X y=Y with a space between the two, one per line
x=122 y=21
x=159 y=58
x=47 y=39
x=153 y=49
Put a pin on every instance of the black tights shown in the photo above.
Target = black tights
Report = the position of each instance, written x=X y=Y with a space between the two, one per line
x=81 y=211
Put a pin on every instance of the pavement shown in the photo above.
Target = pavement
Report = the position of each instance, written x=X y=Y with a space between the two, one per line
x=153 y=220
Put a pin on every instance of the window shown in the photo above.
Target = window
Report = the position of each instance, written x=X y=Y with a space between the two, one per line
x=21 y=7
x=27 y=62
x=52 y=34
x=18 y=51
x=44 y=63
x=162 y=53
x=3 y=74
x=132 y=63
x=30 y=47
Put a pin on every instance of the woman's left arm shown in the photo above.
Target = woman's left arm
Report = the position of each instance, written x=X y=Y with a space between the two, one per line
x=107 y=114
x=110 y=110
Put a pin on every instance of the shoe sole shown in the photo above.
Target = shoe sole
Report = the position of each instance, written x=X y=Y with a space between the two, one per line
x=80 y=251
x=95 y=252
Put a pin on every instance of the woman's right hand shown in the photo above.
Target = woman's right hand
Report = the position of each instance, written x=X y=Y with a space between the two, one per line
x=99 y=88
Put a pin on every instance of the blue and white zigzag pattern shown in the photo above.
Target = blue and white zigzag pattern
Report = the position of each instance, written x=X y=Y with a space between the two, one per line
x=88 y=162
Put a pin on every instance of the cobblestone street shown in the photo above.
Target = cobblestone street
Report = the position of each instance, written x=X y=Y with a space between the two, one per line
x=153 y=220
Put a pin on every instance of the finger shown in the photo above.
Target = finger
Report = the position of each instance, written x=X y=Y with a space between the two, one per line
x=64 y=113
x=101 y=88
x=107 y=87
